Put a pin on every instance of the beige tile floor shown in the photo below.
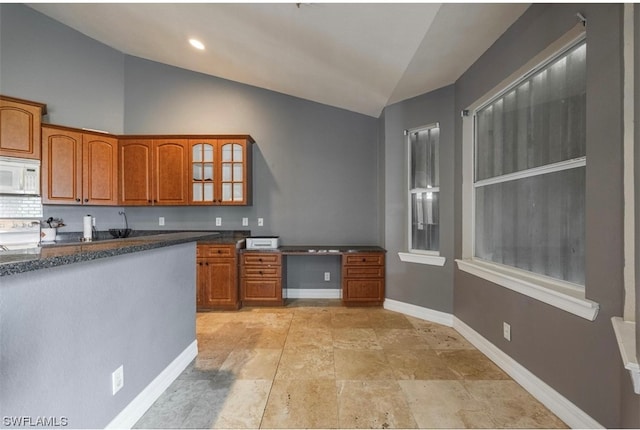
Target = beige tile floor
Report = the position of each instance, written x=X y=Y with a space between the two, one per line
x=316 y=364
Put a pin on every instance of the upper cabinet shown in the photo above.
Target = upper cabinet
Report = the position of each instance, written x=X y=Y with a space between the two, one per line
x=20 y=127
x=78 y=168
x=154 y=171
x=220 y=171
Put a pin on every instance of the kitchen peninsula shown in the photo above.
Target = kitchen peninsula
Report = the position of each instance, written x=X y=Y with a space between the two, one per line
x=73 y=315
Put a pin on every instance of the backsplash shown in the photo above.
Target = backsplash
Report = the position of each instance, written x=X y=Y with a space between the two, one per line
x=20 y=207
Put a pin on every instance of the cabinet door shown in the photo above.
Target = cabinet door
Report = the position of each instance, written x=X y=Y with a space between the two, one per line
x=61 y=166
x=204 y=172
x=135 y=171
x=170 y=160
x=235 y=178
x=100 y=166
x=217 y=283
x=20 y=129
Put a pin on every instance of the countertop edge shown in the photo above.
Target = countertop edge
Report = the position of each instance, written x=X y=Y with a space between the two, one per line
x=127 y=247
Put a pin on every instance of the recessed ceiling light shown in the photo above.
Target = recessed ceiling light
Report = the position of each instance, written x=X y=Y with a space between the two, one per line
x=196 y=44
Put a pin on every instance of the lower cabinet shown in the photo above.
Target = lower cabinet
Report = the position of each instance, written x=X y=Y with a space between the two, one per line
x=216 y=277
x=261 y=278
x=363 y=279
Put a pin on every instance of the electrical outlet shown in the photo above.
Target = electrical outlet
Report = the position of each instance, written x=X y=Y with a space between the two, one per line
x=506 y=331
x=260 y=222
x=327 y=276
x=161 y=220
x=245 y=222
x=218 y=221
x=117 y=379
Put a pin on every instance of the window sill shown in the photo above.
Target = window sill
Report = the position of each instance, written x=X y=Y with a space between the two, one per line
x=562 y=295
x=626 y=337
x=432 y=260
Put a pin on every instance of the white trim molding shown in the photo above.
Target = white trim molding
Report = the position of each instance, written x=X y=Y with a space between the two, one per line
x=562 y=295
x=411 y=257
x=573 y=416
x=312 y=293
x=419 y=312
x=130 y=415
x=626 y=337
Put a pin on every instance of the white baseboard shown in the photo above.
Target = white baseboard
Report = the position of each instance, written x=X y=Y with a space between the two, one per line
x=312 y=293
x=573 y=416
x=419 y=312
x=556 y=402
x=143 y=401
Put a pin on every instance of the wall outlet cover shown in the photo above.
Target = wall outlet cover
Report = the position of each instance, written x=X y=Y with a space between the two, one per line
x=506 y=331
x=117 y=379
x=218 y=221
x=245 y=221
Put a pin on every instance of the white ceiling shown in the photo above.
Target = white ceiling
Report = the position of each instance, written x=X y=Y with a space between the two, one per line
x=356 y=56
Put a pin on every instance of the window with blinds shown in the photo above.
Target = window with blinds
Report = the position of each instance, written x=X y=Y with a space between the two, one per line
x=529 y=171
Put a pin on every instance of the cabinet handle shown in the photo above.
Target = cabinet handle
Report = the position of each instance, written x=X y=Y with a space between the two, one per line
x=78 y=200
x=148 y=201
x=86 y=200
x=364 y=260
x=219 y=251
x=200 y=263
x=260 y=272
x=206 y=264
x=260 y=260
x=155 y=201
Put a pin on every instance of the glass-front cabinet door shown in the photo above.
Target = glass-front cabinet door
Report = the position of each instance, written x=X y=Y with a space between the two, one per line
x=221 y=172
x=203 y=172
x=233 y=177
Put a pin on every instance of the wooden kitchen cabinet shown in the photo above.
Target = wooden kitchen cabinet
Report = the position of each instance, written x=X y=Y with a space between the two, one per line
x=154 y=171
x=20 y=122
x=363 y=278
x=220 y=170
x=216 y=277
x=78 y=168
x=261 y=278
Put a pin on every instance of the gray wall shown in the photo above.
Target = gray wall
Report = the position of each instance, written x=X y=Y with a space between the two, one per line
x=576 y=357
x=315 y=167
x=418 y=284
x=66 y=329
x=80 y=80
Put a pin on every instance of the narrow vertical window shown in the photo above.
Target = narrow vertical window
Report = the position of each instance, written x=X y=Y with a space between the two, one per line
x=423 y=194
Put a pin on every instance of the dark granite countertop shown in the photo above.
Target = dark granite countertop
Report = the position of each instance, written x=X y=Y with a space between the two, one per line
x=70 y=250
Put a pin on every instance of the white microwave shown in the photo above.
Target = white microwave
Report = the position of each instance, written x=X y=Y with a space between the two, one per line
x=19 y=176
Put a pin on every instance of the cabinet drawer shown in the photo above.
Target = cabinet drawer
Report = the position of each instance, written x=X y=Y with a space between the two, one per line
x=363 y=290
x=261 y=272
x=215 y=251
x=363 y=259
x=363 y=272
x=266 y=258
x=261 y=289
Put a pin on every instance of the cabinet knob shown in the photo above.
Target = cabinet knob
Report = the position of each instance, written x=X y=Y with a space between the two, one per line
x=86 y=200
x=148 y=201
x=260 y=272
x=155 y=201
x=200 y=263
x=364 y=260
x=78 y=200
x=206 y=264
x=219 y=251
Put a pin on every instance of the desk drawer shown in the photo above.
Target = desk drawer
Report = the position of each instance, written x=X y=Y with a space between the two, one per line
x=215 y=251
x=361 y=259
x=261 y=290
x=363 y=272
x=363 y=290
x=262 y=272
x=261 y=258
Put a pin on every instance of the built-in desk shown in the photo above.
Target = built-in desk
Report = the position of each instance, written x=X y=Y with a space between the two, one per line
x=263 y=273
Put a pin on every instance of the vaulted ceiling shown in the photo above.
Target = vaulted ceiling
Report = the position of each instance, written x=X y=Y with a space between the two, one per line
x=356 y=56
